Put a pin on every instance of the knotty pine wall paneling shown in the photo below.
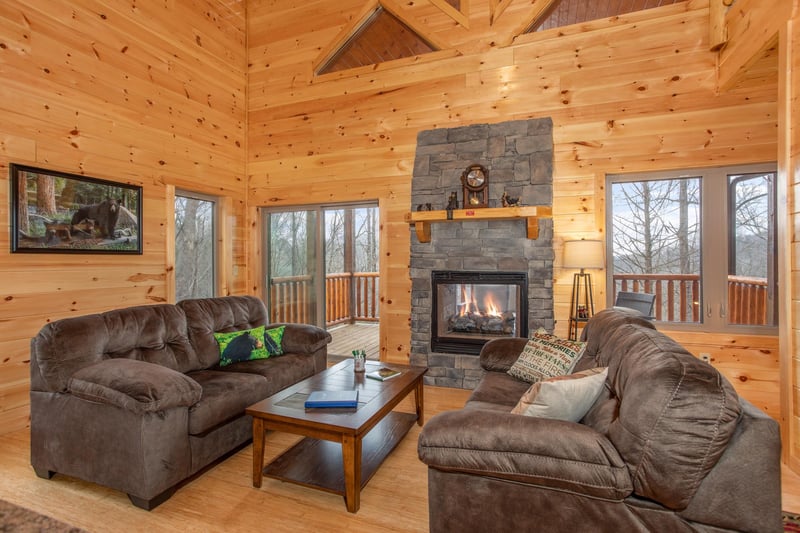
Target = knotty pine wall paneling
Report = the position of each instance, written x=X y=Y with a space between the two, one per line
x=146 y=93
x=630 y=94
x=789 y=201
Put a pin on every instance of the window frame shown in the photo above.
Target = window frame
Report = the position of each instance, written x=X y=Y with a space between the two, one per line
x=714 y=252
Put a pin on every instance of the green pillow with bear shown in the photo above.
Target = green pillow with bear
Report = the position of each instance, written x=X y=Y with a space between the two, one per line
x=249 y=344
x=273 y=339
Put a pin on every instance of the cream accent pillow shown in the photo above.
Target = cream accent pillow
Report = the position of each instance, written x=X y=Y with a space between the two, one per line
x=545 y=356
x=563 y=397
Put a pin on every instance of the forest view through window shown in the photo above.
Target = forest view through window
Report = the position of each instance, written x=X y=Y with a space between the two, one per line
x=195 y=254
x=703 y=242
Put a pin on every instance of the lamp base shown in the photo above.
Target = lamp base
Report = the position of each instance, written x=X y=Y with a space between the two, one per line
x=582 y=303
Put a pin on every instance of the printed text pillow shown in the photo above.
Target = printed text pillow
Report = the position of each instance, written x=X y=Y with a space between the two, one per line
x=545 y=356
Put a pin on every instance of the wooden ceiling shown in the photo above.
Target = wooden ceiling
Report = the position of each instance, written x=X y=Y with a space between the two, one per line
x=383 y=37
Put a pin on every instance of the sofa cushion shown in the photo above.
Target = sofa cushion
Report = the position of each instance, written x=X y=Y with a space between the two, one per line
x=497 y=391
x=545 y=356
x=563 y=397
x=134 y=385
x=206 y=316
x=559 y=455
x=225 y=396
x=279 y=372
x=151 y=333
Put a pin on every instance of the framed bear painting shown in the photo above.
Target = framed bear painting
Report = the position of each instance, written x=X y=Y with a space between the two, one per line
x=58 y=212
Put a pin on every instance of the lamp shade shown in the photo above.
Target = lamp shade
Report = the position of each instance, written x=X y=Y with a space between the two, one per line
x=584 y=254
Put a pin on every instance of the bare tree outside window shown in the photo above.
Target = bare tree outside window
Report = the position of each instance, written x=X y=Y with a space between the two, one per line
x=194 y=248
x=289 y=243
x=366 y=239
x=751 y=199
x=657 y=226
x=362 y=225
x=656 y=236
x=752 y=250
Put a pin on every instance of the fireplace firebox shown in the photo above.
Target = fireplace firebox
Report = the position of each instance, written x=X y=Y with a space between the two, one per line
x=471 y=308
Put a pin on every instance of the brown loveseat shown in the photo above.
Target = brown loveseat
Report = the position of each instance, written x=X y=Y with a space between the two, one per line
x=668 y=446
x=135 y=399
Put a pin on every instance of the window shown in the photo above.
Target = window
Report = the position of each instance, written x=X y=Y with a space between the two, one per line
x=702 y=241
x=195 y=250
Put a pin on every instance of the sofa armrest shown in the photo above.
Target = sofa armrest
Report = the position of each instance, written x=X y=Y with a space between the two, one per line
x=499 y=354
x=537 y=451
x=133 y=385
x=302 y=338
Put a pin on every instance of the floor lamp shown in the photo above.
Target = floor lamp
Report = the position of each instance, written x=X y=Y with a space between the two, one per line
x=582 y=254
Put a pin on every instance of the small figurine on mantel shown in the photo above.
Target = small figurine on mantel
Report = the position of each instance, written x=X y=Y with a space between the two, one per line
x=425 y=207
x=452 y=202
x=509 y=201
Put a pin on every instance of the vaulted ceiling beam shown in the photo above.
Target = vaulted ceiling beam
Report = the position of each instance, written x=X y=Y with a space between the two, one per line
x=462 y=17
x=718 y=32
x=539 y=8
x=752 y=27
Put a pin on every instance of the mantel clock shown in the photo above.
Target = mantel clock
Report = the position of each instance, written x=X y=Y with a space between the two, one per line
x=475 y=181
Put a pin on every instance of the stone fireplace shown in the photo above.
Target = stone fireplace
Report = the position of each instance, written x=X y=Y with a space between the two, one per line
x=518 y=157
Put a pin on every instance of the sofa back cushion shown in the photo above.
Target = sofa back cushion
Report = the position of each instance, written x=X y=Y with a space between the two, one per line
x=674 y=414
x=206 y=316
x=152 y=333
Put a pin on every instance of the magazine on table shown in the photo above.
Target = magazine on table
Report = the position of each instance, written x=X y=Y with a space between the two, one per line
x=383 y=373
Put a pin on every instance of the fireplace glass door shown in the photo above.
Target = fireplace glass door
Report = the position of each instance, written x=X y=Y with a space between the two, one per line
x=471 y=308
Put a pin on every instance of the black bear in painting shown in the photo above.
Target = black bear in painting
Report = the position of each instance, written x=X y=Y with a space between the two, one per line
x=105 y=215
x=240 y=348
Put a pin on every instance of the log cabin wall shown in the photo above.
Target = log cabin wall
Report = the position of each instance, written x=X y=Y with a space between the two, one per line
x=146 y=93
x=789 y=169
x=632 y=93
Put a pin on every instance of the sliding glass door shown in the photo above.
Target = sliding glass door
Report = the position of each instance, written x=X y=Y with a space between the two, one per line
x=322 y=269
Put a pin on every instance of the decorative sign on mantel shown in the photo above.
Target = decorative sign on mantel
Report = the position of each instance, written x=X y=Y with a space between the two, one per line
x=422 y=220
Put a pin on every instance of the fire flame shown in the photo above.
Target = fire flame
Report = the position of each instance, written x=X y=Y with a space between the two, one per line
x=470 y=304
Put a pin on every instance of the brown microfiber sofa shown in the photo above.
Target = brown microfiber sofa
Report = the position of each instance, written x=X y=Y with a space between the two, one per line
x=134 y=399
x=668 y=446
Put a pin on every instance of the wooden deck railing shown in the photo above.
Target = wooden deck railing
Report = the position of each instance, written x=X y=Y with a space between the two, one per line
x=678 y=296
x=747 y=300
x=349 y=296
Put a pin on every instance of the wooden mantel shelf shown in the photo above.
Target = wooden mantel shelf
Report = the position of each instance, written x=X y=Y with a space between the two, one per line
x=422 y=220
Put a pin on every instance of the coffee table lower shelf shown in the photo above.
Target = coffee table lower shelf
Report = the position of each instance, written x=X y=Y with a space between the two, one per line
x=318 y=463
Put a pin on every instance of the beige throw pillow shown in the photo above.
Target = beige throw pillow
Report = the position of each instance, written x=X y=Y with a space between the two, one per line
x=545 y=356
x=563 y=397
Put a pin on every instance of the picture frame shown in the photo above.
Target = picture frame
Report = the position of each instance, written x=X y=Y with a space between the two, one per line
x=58 y=212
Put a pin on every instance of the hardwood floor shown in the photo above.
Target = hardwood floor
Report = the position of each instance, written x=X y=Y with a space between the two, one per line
x=223 y=498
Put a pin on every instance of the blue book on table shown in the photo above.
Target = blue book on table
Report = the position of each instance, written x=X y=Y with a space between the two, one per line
x=333 y=398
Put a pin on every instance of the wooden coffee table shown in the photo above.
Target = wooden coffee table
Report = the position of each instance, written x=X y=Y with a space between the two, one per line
x=343 y=447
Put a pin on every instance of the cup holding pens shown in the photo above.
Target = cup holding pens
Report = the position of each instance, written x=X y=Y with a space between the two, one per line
x=359 y=360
